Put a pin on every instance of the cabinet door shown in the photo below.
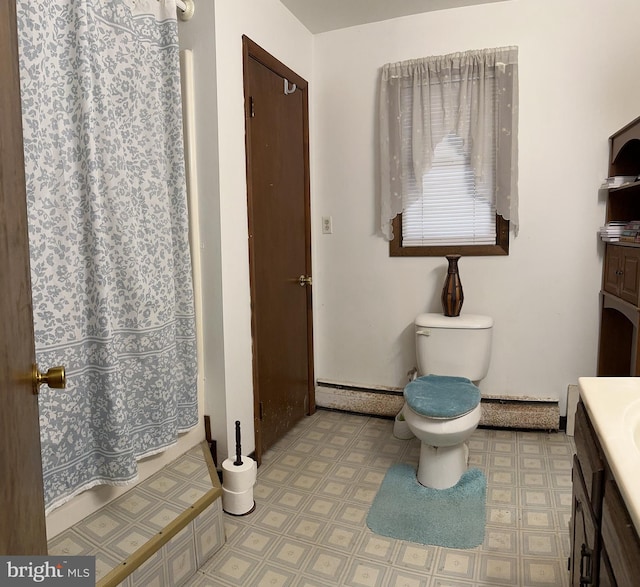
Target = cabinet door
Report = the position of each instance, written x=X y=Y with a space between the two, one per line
x=605 y=576
x=630 y=275
x=620 y=537
x=612 y=268
x=588 y=452
x=585 y=545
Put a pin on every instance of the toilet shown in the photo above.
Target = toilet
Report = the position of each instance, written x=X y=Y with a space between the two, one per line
x=442 y=405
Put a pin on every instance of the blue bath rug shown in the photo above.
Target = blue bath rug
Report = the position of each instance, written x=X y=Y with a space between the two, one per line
x=452 y=517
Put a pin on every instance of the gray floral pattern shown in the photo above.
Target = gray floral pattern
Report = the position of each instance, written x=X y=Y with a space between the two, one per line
x=108 y=230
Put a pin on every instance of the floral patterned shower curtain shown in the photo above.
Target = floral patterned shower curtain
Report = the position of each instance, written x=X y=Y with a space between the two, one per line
x=108 y=230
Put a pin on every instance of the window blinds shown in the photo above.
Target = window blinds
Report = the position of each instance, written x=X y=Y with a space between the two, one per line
x=451 y=206
x=451 y=209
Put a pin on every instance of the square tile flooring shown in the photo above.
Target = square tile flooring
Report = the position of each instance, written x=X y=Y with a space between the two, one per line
x=315 y=487
x=117 y=530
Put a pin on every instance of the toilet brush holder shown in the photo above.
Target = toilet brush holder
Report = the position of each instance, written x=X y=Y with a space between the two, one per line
x=401 y=428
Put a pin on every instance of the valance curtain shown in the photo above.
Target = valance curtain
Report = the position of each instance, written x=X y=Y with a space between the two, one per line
x=108 y=231
x=466 y=106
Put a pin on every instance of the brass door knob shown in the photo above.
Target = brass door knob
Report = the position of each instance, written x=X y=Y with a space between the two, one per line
x=55 y=378
x=304 y=280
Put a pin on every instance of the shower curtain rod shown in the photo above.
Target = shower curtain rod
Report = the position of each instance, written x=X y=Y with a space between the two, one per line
x=186 y=8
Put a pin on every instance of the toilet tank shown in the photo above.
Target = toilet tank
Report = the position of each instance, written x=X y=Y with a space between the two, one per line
x=458 y=346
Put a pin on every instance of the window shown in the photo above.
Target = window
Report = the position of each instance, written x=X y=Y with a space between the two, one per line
x=448 y=128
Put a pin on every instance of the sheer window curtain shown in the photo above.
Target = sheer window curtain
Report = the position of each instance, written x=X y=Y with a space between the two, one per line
x=108 y=233
x=466 y=107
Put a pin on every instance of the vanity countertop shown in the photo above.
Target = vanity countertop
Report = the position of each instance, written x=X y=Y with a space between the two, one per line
x=613 y=404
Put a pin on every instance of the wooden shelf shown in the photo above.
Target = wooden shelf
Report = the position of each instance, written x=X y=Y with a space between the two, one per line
x=623 y=203
x=625 y=187
x=623 y=244
x=619 y=344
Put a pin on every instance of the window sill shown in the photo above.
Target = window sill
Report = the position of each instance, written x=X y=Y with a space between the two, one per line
x=501 y=248
x=441 y=251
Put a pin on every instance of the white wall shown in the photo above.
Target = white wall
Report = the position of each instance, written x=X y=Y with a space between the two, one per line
x=198 y=35
x=215 y=35
x=577 y=64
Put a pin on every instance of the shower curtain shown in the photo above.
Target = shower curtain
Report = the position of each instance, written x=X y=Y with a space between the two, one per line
x=108 y=229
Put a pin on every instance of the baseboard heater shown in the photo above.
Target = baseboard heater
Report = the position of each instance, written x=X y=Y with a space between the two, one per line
x=524 y=413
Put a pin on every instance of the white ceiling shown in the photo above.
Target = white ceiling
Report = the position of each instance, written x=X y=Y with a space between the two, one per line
x=320 y=16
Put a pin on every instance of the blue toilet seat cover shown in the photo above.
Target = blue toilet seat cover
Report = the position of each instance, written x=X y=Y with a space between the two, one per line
x=440 y=396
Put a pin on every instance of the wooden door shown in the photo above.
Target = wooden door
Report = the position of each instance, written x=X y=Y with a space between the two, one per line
x=22 y=530
x=612 y=268
x=279 y=244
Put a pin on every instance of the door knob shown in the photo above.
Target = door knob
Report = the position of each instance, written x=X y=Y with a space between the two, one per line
x=55 y=378
x=304 y=280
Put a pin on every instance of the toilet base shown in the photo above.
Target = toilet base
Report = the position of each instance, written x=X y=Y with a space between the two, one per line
x=441 y=467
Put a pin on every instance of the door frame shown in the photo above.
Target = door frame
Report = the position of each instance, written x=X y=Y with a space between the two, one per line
x=251 y=50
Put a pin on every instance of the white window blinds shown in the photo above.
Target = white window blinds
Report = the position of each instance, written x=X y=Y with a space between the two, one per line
x=450 y=207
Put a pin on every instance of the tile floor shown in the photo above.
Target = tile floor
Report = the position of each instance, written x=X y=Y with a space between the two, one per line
x=315 y=487
x=117 y=530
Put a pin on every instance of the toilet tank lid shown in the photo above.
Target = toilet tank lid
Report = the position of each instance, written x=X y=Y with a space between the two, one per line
x=469 y=321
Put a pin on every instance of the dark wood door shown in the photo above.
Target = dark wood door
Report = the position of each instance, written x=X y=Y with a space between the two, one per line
x=279 y=244
x=22 y=530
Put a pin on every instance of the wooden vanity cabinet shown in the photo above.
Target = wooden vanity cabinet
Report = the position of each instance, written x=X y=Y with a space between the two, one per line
x=620 y=536
x=587 y=478
x=618 y=352
x=585 y=535
x=589 y=458
x=605 y=548
x=605 y=576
